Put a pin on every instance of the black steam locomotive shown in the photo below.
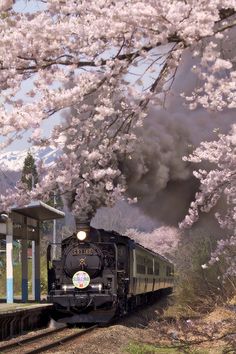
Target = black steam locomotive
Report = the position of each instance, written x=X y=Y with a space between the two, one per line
x=102 y=274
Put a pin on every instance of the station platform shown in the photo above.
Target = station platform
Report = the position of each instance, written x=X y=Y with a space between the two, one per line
x=16 y=307
x=18 y=318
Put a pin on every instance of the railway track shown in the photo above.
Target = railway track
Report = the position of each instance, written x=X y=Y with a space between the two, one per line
x=34 y=344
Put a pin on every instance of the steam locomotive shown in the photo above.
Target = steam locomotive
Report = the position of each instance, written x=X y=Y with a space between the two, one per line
x=101 y=274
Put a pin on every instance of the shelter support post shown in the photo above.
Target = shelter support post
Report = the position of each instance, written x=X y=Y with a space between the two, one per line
x=9 y=260
x=33 y=269
x=24 y=268
x=37 y=267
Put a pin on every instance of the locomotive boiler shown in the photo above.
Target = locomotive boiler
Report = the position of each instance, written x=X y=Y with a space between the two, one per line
x=101 y=274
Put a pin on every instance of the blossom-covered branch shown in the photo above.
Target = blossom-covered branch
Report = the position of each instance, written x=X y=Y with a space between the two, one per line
x=217 y=183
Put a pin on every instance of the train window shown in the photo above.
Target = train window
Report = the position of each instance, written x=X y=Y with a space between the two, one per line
x=141 y=269
x=149 y=267
x=168 y=271
x=141 y=264
x=157 y=268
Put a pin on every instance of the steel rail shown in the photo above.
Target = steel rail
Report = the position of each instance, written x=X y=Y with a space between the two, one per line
x=6 y=347
x=60 y=341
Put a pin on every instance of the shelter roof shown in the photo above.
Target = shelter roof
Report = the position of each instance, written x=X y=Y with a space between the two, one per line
x=39 y=211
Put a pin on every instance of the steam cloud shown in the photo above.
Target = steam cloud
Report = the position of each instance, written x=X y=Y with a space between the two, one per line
x=155 y=173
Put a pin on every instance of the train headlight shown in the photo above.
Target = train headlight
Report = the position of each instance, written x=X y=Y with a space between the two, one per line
x=81 y=235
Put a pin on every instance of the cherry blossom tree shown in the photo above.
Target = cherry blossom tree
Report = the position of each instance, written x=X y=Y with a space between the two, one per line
x=103 y=62
x=217 y=183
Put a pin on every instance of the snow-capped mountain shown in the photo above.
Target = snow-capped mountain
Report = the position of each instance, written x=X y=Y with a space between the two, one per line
x=14 y=160
x=11 y=164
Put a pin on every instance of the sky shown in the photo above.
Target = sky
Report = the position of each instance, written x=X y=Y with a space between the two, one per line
x=28 y=5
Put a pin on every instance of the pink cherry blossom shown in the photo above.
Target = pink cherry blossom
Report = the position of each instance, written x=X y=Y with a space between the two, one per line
x=219 y=183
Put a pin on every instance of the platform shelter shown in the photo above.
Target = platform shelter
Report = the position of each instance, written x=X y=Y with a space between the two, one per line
x=22 y=223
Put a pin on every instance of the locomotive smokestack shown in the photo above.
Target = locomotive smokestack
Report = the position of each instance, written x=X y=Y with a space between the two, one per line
x=82 y=224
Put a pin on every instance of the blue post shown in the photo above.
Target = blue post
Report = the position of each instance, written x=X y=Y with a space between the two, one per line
x=24 y=290
x=10 y=291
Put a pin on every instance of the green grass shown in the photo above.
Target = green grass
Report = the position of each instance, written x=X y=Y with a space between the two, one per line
x=178 y=311
x=135 y=348
x=17 y=278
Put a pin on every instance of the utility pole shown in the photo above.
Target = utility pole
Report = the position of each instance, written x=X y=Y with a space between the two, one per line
x=33 y=256
x=54 y=235
x=30 y=179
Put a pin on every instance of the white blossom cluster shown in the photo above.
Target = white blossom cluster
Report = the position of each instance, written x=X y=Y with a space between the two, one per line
x=216 y=91
x=163 y=240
